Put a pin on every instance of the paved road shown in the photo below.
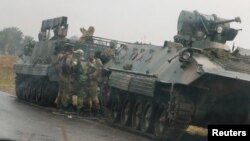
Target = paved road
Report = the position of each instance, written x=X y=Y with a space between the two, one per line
x=23 y=122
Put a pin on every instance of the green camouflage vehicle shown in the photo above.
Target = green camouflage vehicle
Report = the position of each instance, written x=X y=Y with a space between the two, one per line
x=36 y=77
x=181 y=87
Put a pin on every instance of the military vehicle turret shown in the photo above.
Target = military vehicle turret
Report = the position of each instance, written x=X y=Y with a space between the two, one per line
x=36 y=77
x=171 y=90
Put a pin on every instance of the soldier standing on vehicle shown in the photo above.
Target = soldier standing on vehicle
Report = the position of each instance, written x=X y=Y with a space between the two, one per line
x=80 y=80
x=65 y=65
x=87 y=35
x=94 y=76
x=109 y=53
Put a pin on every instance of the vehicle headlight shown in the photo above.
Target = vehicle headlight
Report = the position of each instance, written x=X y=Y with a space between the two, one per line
x=186 y=55
x=219 y=29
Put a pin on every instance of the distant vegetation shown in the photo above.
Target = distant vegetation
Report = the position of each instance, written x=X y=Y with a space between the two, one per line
x=7 y=76
x=12 y=41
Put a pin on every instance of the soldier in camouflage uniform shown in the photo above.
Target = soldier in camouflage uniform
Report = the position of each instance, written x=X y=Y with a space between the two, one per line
x=65 y=66
x=80 y=80
x=94 y=67
x=87 y=35
x=109 y=53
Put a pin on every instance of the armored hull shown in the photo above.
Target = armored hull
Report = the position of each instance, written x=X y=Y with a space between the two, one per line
x=37 y=76
x=181 y=87
x=37 y=79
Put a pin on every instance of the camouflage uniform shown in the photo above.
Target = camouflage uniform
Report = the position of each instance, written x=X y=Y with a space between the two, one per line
x=64 y=65
x=80 y=78
x=65 y=91
x=108 y=53
x=94 y=76
x=87 y=35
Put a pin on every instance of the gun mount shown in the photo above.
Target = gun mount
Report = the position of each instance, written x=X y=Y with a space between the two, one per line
x=58 y=25
x=193 y=26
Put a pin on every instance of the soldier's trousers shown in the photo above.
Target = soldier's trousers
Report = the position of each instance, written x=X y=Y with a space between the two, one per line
x=93 y=100
x=64 y=96
x=82 y=98
x=80 y=92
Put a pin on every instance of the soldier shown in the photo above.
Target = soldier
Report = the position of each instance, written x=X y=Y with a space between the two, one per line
x=87 y=35
x=28 y=48
x=109 y=53
x=94 y=67
x=65 y=66
x=80 y=79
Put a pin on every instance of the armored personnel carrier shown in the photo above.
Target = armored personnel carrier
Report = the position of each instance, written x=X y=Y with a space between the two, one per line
x=37 y=78
x=171 y=90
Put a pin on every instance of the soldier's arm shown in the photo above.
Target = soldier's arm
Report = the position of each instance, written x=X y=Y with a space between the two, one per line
x=84 y=74
x=92 y=72
x=99 y=63
x=93 y=75
x=58 y=59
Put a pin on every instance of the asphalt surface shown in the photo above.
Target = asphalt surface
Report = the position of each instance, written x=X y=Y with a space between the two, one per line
x=24 y=122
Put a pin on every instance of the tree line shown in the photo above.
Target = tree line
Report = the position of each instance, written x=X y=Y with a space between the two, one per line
x=12 y=41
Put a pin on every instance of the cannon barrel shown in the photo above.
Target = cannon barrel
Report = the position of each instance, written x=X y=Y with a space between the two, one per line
x=237 y=19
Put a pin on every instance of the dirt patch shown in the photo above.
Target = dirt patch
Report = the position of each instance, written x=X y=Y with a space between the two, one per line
x=7 y=75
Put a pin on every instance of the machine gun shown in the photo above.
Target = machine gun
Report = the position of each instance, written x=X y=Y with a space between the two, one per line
x=193 y=26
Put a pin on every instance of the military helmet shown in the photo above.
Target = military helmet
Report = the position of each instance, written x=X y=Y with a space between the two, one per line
x=113 y=44
x=79 y=52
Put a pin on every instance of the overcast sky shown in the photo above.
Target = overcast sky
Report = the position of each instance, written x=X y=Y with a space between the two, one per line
x=127 y=20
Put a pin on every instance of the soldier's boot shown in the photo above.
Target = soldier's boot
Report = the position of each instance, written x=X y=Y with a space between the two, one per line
x=102 y=112
x=96 y=113
x=87 y=113
x=69 y=109
x=80 y=111
x=61 y=110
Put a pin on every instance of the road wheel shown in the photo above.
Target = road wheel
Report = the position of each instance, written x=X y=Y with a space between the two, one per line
x=147 y=117
x=52 y=91
x=180 y=111
x=27 y=91
x=106 y=94
x=33 y=91
x=20 y=90
x=115 y=108
x=44 y=94
x=137 y=114
x=160 y=122
x=125 y=114
x=18 y=86
x=38 y=94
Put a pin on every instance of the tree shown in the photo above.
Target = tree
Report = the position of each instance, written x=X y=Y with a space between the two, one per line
x=1 y=43
x=10 y=39
x=27 y=39
x=26 y=46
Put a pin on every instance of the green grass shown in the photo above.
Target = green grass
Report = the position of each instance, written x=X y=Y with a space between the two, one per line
x=7 y=84
x=7 y=75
